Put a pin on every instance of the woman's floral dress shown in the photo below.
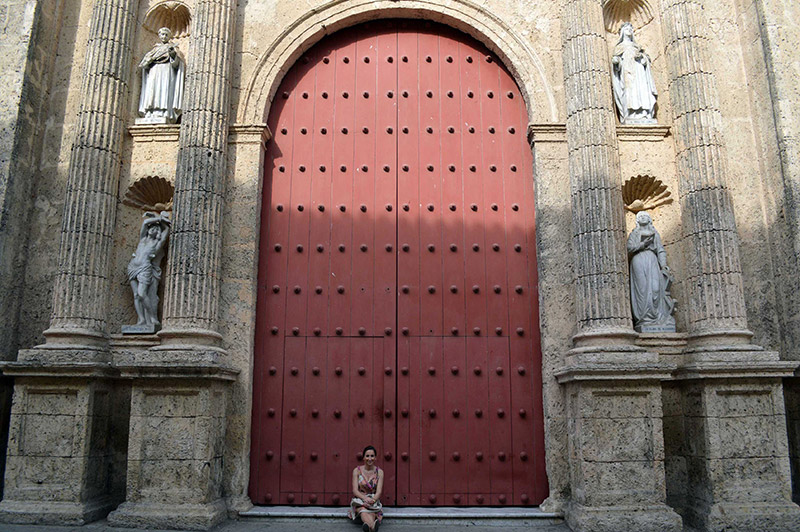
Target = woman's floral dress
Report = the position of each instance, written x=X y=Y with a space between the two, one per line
x=369 y=487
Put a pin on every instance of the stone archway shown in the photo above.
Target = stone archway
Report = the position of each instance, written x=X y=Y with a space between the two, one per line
x=521 y=61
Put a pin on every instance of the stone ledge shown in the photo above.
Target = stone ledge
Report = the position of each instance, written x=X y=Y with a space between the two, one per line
x=642 y=132
x=155 y=132
x=169 y=516
x=658 y=517
x=54 y=512
x=76 y=370
x=455 y=512
x=547 y=132
x=167 y=370
x=653 y=371
x=737 y=369
x=238 y=133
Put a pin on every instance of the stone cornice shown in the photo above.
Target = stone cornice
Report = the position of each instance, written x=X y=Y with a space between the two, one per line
x=152 y=133
x=642 y=132
x=547 y=132
x=238 y=133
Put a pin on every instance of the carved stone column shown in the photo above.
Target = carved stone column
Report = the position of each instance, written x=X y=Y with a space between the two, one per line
x=192 y=290
x=735 y=440
x=613 y=388
x=598 y=216
x=182 y=386
x=80 y=296
x=66 y=433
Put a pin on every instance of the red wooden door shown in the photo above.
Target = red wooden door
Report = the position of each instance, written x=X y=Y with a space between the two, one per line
x=397 y=280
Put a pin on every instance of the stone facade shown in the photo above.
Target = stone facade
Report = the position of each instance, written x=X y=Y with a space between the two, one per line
x=698 y=428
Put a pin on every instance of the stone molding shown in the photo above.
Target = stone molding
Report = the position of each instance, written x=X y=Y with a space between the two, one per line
x=154 y=132
x=249 y=134
x=237 y=133
x=643 y=132
x=479 y=22
x=547 y=132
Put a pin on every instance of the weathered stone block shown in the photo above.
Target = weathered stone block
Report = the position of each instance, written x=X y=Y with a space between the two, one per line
x=622 y=483
x=48 y=435
x=59 y=469
x=610 y=440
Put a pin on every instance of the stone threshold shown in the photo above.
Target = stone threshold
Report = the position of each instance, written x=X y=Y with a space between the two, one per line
x=407 y=512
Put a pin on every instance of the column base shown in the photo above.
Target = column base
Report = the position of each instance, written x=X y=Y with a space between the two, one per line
x=169 y=516
x=55 y=513
x=653 y=518
x=764 y=517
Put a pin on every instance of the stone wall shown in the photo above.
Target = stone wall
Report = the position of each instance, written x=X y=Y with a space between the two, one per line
x=750 y=63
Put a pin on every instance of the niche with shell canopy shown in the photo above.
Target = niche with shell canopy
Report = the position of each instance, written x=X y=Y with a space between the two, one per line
x=637 y=12
x=644 y=193
x=150 y=194
x=171 y=14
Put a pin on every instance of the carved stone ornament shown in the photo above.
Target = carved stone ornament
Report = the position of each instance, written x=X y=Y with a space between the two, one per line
x=144 y=272
x=171 y=14
x=651 y=279
x=644 y=192
x=637 y=12
x=151 y=193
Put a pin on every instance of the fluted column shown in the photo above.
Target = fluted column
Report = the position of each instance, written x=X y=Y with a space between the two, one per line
x=598 y=222
x=192 y=290
x=80 y=296
x=716 y=309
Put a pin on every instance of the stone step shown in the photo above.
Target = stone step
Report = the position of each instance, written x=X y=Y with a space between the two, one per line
x=456 y=516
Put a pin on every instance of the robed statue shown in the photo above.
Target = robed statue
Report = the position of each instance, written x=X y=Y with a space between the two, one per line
x=162 y=69
x=632 y=80
x=651 y=279
x=144 y=271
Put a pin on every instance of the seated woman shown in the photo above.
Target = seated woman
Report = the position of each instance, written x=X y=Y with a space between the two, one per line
x=367 y=488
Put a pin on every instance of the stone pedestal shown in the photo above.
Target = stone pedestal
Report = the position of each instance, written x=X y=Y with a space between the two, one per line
x=616 y=442
x=66 y=452
x=176 y=444
x=735 y=445
x=791 y=389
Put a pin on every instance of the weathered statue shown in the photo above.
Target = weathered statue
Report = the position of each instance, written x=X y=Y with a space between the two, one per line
x=144 y=270
x=632 y=80
x=162 y=82
x=651 y=279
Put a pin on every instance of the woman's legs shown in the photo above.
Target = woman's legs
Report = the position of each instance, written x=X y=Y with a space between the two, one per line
x=368 y=519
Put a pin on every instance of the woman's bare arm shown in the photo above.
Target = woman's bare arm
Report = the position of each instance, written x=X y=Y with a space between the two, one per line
x=380 y=485
x=356 y=492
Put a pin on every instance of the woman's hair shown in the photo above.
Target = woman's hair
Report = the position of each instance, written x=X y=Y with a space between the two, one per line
x=369 y=448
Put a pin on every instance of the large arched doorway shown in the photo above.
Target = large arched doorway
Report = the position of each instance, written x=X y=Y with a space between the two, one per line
x=397 y=277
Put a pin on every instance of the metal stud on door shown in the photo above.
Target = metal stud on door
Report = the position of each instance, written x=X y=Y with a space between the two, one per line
x=397 y=288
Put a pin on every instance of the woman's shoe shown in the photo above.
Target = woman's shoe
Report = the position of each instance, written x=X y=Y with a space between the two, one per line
x=377 y=525
x=365 y=527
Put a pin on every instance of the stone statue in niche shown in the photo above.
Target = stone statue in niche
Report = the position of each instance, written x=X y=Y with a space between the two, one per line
x=144 y=272
x=632 y=80
x=651 y=279
x=162 y=82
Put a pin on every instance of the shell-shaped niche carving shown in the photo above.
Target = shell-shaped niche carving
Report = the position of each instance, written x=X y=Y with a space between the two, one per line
x=151 y=193
x=644 y=192
x=615 y=12
x=170 y=14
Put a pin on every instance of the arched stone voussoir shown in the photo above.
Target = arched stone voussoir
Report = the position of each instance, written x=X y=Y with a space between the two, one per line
x=515 y=52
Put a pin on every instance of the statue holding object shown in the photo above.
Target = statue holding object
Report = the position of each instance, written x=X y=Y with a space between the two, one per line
x=162 y=69
x=651 y=279
x=635 y=91
x=144 y=272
